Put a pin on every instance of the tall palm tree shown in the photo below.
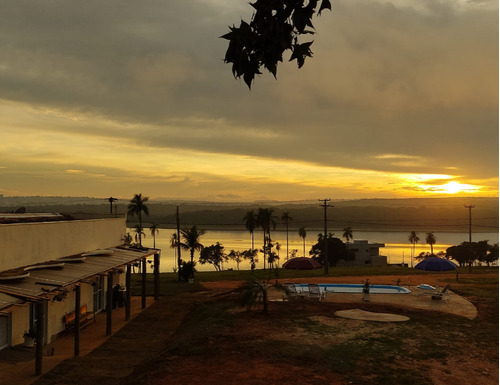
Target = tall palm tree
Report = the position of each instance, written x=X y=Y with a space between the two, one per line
x=137 y=206
x=191 y=238
x=348 y=236
x=265 y=220
x=173 y=245
x=413 y=238
x=155 y=229
x=286 y=218
x=250 y=224
x=430 y=239
x=302 y=234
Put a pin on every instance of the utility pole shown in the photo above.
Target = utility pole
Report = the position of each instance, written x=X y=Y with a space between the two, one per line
x=470 y=207
x=325 y=205
x=111 y=200
x=179 y=260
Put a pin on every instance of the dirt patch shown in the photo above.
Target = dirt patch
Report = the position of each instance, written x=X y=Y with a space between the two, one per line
x=210 y=340
x=363 y=315
x=226 y=369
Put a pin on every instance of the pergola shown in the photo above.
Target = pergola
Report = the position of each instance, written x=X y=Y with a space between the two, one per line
x=48 y=281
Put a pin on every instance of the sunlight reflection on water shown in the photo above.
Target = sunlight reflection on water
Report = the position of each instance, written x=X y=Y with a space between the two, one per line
x=397 y=248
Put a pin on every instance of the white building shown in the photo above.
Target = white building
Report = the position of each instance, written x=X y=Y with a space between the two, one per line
x=51 y=265
x=367 y=253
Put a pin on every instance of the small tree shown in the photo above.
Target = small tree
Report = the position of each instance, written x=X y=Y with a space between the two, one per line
x=336 y=249
x=251 y=255
x=235 y=256
x=191 y=237
x=252 y=291
x=214 y=255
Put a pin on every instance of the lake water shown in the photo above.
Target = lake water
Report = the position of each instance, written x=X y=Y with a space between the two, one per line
x=397 y=248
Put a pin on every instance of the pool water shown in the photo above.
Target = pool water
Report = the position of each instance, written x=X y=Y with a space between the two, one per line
x=356 y=288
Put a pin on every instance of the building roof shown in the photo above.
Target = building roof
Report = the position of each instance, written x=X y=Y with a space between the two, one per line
x=8 y=218
x=44 y=281
x=8 y=300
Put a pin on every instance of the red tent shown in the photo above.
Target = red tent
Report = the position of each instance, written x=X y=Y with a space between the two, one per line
x=301 y=263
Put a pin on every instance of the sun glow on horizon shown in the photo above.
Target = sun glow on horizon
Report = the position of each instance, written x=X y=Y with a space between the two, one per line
x=433 y=184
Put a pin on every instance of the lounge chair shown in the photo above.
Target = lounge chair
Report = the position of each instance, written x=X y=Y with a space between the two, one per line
x=443 y=294
x=291 y=291
x=315 y=292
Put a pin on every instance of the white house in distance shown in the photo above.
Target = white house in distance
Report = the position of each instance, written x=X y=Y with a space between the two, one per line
x=367 y=253
x=57 y=270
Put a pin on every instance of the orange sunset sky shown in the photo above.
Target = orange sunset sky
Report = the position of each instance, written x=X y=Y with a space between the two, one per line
x=120 y=97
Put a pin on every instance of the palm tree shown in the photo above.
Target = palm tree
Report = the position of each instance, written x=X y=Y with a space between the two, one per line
x=302 y=234
x=277 y=245
x=251 y=223
x=413 y=238
x=137 y=207
x=154 y=230
x=173 y=245
x=138 y=233
x=430 y=239
x=192 y=240
x=286 y=218
x=265 y=220
x=347 y=235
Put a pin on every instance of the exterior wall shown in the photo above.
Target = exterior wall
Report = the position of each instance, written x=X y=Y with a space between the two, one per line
x=29 y=243
x=20 y=323
x=367 y=253
x=58 y=309
x=379 y=260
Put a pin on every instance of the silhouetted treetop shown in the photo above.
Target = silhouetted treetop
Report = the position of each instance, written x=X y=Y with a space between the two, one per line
x=275 y=27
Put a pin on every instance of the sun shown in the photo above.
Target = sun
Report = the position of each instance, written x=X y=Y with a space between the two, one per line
x=455 y=188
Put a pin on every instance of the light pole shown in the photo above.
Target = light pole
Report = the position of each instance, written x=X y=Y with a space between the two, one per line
x=470 y=207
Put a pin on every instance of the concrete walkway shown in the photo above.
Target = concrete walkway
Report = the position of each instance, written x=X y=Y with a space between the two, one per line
x=417 y=299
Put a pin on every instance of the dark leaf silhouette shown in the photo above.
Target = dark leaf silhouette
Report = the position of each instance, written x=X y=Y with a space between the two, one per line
x=275 y=27
x=300 y=51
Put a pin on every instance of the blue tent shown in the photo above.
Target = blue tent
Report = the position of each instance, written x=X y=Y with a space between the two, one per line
x=435 y=264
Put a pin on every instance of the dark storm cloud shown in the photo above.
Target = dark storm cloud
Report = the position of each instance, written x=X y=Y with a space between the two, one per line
x=418 y=79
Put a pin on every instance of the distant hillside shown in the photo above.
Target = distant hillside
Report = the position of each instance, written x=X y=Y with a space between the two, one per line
x=423 y=214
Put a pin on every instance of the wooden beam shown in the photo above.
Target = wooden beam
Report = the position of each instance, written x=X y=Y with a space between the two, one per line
x=77 y=319
x=128 y=292
x=40 y=327
x=156 y=266
x=109 y=304
x=143 y=288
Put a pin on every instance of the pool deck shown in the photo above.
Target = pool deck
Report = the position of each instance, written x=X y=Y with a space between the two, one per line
x=417 y=299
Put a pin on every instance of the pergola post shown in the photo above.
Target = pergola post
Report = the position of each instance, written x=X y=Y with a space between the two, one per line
x=143 y=289
x=157 y=276
x=128 y=293
x=109 y=304
x=40 y=327
x=77 y=319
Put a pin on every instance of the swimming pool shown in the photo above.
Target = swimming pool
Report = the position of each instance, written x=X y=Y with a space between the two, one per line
x=355 y=288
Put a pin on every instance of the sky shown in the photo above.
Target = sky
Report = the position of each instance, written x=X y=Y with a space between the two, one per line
x=114 y=98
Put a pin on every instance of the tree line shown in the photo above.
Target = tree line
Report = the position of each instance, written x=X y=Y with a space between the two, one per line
x=265 y=220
